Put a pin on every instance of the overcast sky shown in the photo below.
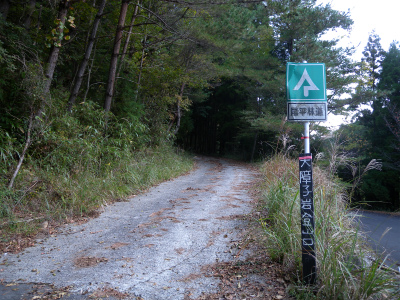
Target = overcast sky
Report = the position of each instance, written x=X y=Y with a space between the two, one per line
x=383 y=16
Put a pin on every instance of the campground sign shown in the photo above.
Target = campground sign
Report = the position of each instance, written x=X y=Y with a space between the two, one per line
x=306 y=92
x=306 y=102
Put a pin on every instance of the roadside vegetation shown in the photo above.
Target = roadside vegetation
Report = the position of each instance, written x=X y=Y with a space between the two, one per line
x=76 y=166
x=94 y=94
x=346 y=267
x=82 y=83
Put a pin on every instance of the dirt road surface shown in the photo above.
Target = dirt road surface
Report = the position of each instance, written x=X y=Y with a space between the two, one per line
x=170 y=242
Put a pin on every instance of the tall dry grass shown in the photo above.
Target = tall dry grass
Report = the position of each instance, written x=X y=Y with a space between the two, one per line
x=344 y=267
x=58 y=195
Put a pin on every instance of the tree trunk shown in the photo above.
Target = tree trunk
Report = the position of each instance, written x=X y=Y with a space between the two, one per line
x=28 y=17
x=114 y=56
x=53 y=58
x=179 y=113
x=124 y=51
x=55 y=51
x=178 y=102
x=140 y=69
x=88 y=52
x=90 y=68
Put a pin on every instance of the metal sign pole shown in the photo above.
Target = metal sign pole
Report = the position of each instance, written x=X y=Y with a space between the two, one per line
x=307 y=210
x=306 y=102
x=306 y=137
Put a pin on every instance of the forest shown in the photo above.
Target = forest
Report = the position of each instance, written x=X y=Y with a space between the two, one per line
x=88 y=87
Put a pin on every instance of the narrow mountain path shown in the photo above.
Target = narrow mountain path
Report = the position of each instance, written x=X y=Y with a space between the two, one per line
x=162 y=244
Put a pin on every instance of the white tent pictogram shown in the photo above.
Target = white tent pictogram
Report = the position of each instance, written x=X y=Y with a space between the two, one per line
x=307 y=88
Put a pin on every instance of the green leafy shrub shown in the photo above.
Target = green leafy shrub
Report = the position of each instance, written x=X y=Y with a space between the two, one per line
x=81 y=161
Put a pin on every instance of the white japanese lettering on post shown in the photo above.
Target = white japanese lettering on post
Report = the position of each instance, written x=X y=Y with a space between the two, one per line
x=307 y=217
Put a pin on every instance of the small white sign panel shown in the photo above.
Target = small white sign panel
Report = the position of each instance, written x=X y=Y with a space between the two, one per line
x=307 y=111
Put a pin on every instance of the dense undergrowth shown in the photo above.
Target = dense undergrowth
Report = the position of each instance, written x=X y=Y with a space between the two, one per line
x=78 y=162
x=346 y=268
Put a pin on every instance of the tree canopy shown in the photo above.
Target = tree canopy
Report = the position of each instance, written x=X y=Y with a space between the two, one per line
x=375 y=132
x=207 y=76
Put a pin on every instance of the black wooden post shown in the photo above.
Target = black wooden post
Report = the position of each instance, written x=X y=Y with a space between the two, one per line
x=307 y=218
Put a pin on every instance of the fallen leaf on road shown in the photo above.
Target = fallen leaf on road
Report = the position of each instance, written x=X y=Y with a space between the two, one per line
x=118 y=245
x=11 y=284
x=108 y=292
x=84 y=262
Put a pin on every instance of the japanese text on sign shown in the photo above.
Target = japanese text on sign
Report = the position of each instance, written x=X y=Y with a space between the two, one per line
x=306 y=202
x=307 y=111
x=307 y=217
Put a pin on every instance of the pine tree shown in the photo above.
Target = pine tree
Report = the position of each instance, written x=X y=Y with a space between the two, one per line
x=378 y=85
x=373 y=57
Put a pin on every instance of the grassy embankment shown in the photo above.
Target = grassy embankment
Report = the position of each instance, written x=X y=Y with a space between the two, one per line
x=54 y=197
x=74 y=165
x=345 y=265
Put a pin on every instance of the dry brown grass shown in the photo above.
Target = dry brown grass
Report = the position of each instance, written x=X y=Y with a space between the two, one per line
x=342 y=270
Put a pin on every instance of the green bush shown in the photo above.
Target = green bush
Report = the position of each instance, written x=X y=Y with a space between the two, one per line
x=81 y=161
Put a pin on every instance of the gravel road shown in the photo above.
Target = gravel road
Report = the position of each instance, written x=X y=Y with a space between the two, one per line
x=154 y=246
